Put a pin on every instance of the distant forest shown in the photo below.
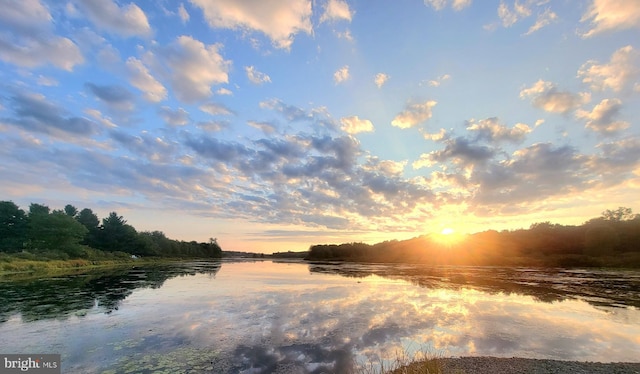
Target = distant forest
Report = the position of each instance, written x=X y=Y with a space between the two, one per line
x=610 y=240
x=70 y=233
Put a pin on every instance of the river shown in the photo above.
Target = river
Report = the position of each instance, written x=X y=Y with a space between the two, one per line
x=298 y=317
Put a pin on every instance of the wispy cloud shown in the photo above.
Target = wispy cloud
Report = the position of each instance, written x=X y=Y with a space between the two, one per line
x=341 y=74
x=610 y=15
x=414 y=114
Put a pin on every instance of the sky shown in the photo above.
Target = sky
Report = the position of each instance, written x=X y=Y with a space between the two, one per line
x=273 y=125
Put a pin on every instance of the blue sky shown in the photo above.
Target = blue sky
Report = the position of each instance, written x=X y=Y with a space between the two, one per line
x=273 y=125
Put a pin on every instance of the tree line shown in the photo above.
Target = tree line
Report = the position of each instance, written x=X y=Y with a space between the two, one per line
x=70 y=233
x=613 y=239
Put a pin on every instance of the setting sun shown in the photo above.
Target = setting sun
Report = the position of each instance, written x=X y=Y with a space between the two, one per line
x=448 y=237
x=447 y=231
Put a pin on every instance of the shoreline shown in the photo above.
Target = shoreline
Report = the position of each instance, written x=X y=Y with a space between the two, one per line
x=491 y=365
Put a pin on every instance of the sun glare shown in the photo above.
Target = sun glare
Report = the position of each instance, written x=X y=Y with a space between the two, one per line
x=447 y=231
x=448 y=237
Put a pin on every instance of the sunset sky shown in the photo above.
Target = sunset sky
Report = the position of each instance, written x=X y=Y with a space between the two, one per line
x=276 y=124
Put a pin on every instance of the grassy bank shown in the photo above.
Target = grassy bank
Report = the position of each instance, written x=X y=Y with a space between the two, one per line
x=19 y=265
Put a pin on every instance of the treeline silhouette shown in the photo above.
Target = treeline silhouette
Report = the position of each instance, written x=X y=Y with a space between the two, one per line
x=610 y=240
x=69 y=233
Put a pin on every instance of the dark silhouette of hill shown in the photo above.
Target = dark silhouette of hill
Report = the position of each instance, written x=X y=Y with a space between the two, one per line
x=610 y=240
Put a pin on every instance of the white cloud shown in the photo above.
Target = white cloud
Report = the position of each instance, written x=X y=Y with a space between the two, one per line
x=619 y=74
x=355 y=125
x=194 y=67
x=336 y=10
x=381 y=79
x=543 y=20
x=58 y=51
x=610 y=15
x=29 y=42
x=438 y=81
x=128 y=20
x=341 y=74
x=215 y=109
x=265 y=127
x=224 y=92
x=546 y=96
x=280 y=20
x=602 y=119
x=25 y=15
x=510 y=17
x=414 y=114
x=255 y=76
x=441 y=4
x=182 y=12
x=141 y=79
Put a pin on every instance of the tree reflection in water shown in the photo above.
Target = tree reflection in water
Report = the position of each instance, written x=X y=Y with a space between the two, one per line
x=59 y=297
x=598 y=287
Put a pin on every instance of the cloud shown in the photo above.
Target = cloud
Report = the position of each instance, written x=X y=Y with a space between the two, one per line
x=510 y=17
x=33 y=112
x=336 y=10
x=57 y=51
x=381 y=79
x=545 y=95
x=458 y=150
x=26 y=39
x=355 y=125
x=543 y=20
x=26 y=16
x=611 y=15
x=619 y=74
x=128 y=20
x=414 y=114
x=602 y=119
x=182 y=12
x=441 y=4
x=438 y=81
x=151 y=147
x=531 y=174
x=265 y=127
x=290 y=112
x=255 y=76
x=216 y=109
x=341 y=74
x=193 y=68
x=224 y=92
x=115 y=97
x=492 y=131
x=280 y=20
x=178 y=117
x=141 y=78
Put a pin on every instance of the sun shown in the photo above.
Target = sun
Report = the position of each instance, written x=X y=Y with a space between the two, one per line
x=448 y=237
x=447 y=231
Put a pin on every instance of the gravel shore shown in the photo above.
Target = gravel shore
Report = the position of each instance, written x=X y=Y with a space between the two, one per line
x=492 y=365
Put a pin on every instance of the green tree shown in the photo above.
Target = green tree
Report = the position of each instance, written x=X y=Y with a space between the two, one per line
x=35 y=209
x=70 y=210
x=116 y=235
x=55 y=232
x=13 y=227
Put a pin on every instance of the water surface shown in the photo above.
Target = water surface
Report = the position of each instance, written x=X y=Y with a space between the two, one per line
x=260 y=317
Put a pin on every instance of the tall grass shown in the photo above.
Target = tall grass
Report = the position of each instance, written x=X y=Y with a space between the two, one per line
x=423 y=361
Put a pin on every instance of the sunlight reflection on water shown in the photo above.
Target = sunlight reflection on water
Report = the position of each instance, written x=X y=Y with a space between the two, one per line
x=296 y=317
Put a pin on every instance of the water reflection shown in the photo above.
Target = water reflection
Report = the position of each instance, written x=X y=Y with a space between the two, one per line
x=266 y=317
x=59 y=297
x=598 y=287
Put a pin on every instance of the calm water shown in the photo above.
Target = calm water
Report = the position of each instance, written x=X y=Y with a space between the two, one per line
x=262 y=317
